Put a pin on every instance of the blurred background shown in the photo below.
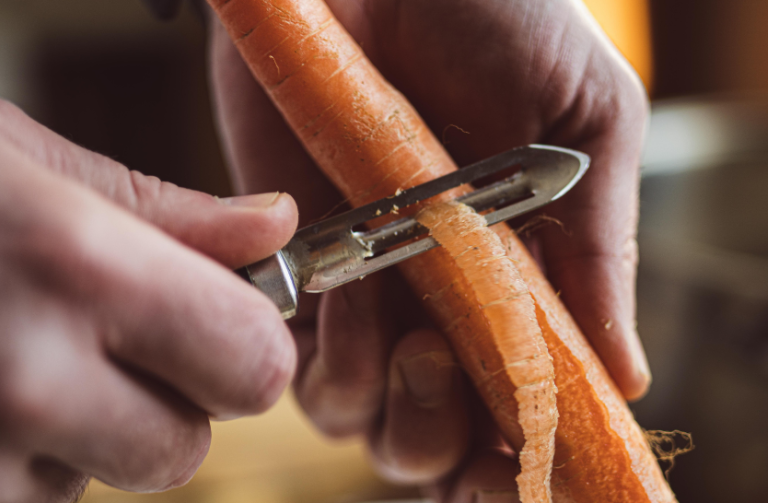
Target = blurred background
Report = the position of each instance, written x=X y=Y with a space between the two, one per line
x=111 y=78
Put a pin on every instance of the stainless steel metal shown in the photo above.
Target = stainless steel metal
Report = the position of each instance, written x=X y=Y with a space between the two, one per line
x=273 y=277
x=549 y=178
x=331 y=253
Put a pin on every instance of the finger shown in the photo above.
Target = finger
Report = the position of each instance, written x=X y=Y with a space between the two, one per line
x=263 y=153
x=424 y=433
x=488 y=477
x=343 y=376
x=161 y=306
x=594 y=261
x=203 y=330
x=73 y=406
x=235 y=231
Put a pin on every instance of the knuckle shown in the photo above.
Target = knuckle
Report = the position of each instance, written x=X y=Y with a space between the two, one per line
x=74 y=252
x=145 y=190
x=63 y=243
x=268 y=381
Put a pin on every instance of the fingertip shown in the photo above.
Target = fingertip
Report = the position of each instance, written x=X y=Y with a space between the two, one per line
x=251 y=228
x=277 y=222
x=285 y=206
x=599 y=293
x=627 y=365
x=639 y=391
x=641 y=381
x=270 y=373
x=283 y=369
x=630 y=369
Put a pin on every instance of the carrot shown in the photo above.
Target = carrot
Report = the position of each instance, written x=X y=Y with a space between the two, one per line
x=370 y=142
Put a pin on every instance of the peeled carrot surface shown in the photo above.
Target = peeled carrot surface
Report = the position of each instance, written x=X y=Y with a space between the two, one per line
x=370 y=142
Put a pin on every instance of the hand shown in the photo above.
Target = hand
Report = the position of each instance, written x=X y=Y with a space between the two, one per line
x=511 y=73
x=121 y=334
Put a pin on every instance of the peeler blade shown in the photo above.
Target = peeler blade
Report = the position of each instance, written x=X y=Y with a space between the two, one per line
x=331 y=253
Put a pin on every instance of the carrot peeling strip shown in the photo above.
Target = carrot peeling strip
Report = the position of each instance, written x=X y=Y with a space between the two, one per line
x=516 y=357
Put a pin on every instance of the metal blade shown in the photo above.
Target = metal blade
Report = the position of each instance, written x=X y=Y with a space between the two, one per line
x=329 y=253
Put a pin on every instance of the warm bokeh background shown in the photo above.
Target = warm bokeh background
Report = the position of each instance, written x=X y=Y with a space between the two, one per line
x=108 y=76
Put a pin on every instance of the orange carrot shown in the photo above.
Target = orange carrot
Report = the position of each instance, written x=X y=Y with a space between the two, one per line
x=370 y=142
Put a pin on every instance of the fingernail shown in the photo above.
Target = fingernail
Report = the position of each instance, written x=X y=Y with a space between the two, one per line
x=428 y=377
x=252 y=201
x=488 y=496
x=642 y=370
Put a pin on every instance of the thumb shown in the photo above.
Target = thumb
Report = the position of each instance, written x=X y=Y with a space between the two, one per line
x=234 y=231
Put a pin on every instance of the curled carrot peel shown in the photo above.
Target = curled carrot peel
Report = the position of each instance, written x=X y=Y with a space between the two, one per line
x=508 y=362
x=370 y=143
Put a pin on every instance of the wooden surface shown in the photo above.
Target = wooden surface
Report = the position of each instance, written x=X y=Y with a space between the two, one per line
x=274 y=458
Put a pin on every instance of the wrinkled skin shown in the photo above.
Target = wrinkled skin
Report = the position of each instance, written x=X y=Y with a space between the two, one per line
x=510 y=72
x=122 y=328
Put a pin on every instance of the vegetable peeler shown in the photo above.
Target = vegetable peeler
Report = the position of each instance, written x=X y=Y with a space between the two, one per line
x=333 y=252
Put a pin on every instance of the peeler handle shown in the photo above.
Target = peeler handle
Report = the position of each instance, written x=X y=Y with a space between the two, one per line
x=274 y=278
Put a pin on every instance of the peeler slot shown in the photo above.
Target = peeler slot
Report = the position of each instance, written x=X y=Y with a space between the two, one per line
x=498 y=195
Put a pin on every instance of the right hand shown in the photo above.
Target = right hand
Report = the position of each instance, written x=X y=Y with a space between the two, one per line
x=121 y=334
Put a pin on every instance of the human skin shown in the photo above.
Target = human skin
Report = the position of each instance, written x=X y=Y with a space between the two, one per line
x=123 y=327
x=510 y=73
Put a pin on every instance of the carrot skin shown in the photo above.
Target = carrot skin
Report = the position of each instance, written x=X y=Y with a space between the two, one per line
x=507 y=358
